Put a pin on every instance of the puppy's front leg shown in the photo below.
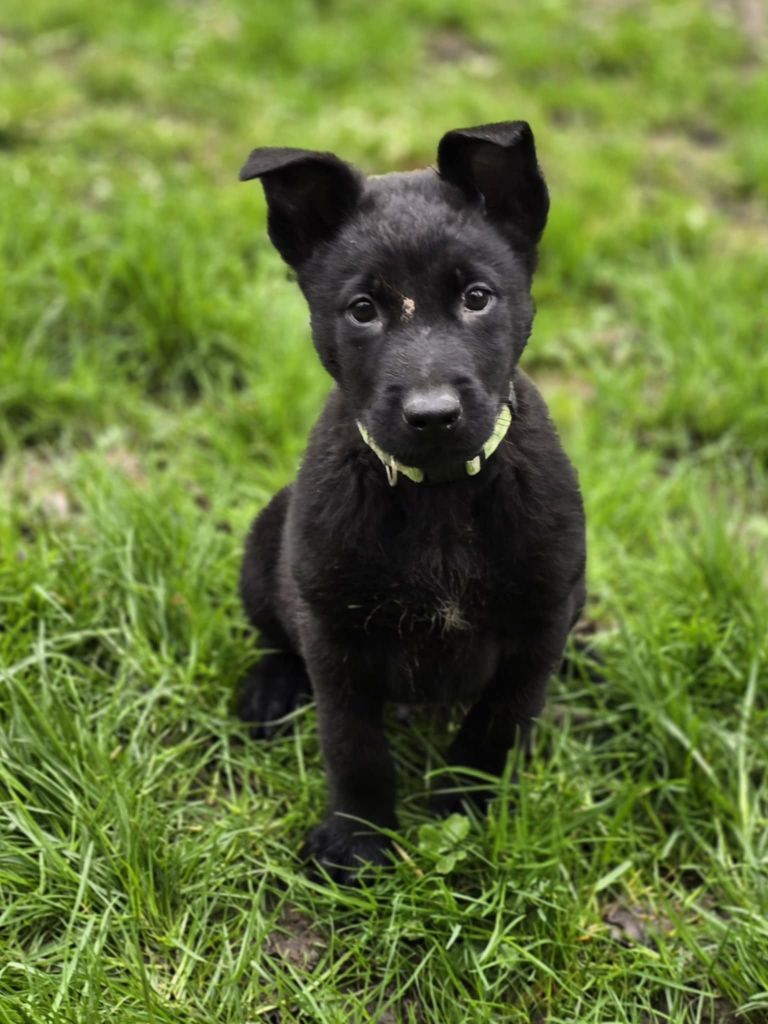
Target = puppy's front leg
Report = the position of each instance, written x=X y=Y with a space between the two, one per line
x=502 y=720
x=358 y=764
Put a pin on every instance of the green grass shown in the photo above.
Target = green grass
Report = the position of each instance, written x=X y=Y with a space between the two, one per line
x=156 y=387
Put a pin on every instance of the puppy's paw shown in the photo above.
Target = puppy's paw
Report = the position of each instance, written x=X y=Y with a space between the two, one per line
x=344 y=849
x=271 y=690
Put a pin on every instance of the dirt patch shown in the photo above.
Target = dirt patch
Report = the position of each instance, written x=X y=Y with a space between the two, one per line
x=296 y=940
x=451 y=45
x=633 y=925
x=39 y=485
x=724 y=1012
x=127 y=463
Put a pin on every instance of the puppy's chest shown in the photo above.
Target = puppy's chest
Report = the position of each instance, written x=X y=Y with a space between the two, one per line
x=435 y=583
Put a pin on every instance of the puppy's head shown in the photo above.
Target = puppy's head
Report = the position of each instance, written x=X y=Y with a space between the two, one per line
x=418 y=284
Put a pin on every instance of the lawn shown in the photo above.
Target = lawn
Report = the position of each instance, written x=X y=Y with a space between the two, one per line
x=157 y=382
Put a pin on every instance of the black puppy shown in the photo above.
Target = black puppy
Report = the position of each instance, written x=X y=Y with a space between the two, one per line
x=432 y=546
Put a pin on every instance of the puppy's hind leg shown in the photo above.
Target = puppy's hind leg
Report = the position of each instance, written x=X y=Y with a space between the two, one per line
x=272 y=689
x=279 y=683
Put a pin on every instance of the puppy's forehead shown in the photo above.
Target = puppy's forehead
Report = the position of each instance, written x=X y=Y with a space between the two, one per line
x=416 y=220
x=416 y=191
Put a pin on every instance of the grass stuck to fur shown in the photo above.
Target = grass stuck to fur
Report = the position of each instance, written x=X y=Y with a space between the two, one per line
x=156 y=387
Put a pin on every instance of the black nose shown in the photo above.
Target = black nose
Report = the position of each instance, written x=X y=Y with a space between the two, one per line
x=433 y=410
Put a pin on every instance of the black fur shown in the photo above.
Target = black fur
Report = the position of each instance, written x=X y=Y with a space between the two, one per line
x=456 y=591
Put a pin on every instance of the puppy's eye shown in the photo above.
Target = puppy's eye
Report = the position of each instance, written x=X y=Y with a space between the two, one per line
x=362 y=310
x=477 y=297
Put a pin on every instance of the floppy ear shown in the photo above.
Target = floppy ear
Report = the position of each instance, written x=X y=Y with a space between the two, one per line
x=309 y=195
x=498 y=163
